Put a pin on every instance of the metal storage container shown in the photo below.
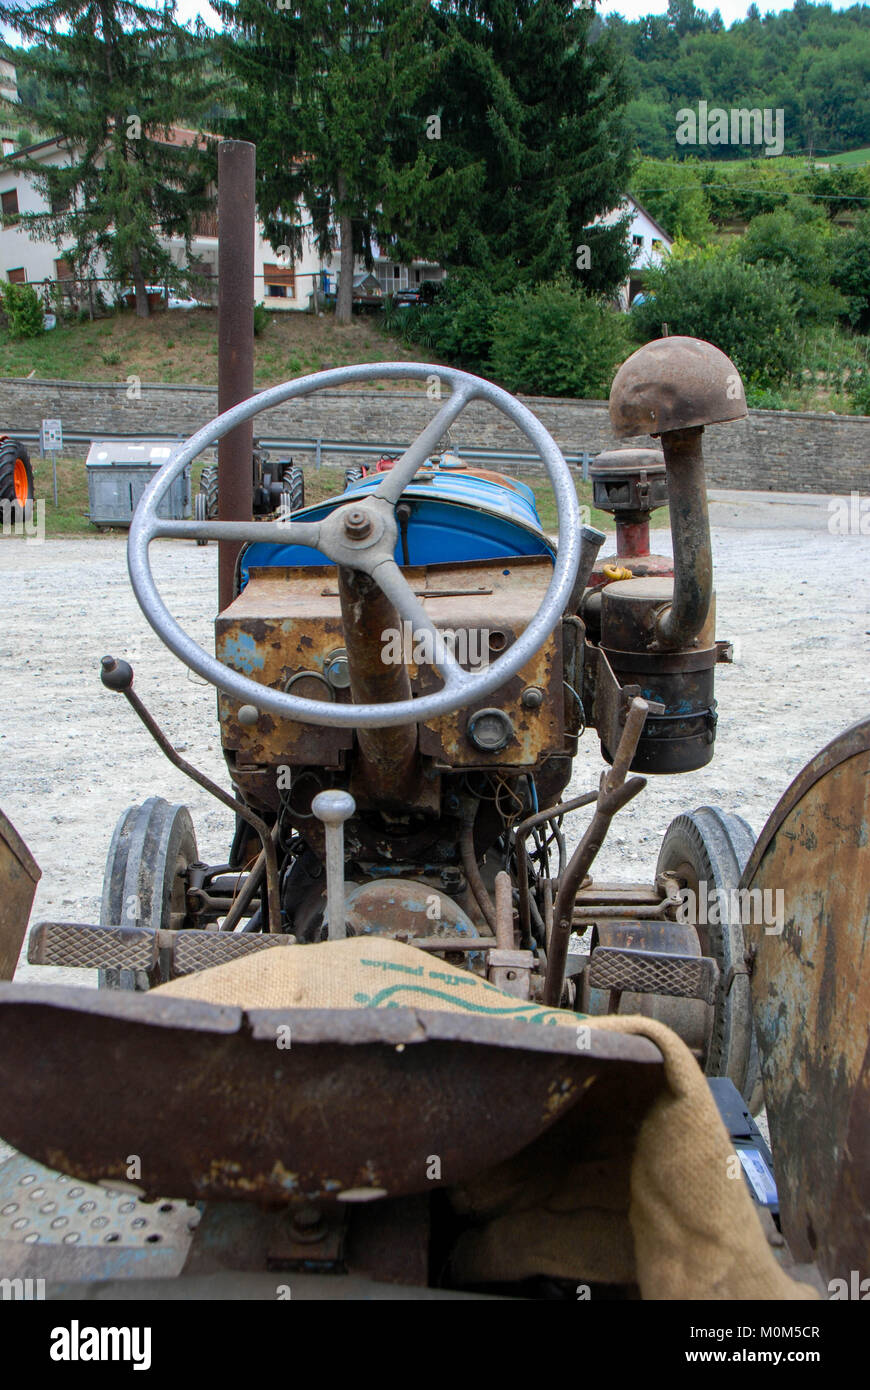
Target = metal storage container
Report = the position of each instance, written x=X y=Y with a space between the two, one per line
x=119 y=470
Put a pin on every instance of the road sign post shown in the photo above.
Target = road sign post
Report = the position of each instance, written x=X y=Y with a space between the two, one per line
x=51 y=442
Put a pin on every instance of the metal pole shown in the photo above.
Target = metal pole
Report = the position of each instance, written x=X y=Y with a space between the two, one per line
x=236 y=160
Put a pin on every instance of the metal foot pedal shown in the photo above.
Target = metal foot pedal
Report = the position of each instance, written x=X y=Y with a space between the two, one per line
x=92 y=948
x=623 y=971
x=161 y=955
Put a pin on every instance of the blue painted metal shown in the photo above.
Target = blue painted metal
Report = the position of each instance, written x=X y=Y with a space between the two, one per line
x=455 y=516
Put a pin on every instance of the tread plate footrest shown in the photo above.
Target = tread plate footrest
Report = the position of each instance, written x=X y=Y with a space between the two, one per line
x=165 y=954
x=654 y=972
x=97 y=948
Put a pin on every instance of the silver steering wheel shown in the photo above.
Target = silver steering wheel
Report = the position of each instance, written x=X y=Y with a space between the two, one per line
x=364 y=541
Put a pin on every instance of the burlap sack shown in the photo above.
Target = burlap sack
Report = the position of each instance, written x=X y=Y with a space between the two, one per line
x=674 y=1215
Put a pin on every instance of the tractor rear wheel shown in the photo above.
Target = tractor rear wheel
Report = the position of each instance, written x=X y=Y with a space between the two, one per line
x=294 y=488
x=208 y=485
x=706 y=851
x=145 y=884
x=16 y=476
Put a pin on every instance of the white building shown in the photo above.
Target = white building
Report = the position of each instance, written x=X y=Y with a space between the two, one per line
x=279 y=282
x=650 y=244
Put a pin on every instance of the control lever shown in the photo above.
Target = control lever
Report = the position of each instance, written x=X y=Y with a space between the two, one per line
x=591 y=541
x=333 y=808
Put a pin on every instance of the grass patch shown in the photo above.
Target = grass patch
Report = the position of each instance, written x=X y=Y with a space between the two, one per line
x=179 y=347
x=850 y=157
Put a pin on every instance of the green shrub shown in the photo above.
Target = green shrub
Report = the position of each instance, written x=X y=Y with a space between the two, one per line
x=859 y=389
x=24 y=311
x=800 y=240
x=748 y=311
x=261 y=319
x=458 y=324
x=554 y=340
x=762 y=398
x=851 y=270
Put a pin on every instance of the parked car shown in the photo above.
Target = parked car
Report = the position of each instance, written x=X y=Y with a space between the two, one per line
x=424 y=293
x=157 y=299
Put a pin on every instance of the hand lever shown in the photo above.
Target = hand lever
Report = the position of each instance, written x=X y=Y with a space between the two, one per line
x=333 y=808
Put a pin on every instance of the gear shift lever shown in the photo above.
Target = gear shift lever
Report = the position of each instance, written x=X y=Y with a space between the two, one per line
x=333 y=808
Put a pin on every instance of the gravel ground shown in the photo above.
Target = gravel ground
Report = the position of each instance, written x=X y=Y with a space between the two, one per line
x=794 y=599
x=73 y=756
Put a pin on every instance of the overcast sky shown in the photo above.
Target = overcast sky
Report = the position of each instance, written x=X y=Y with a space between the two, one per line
x=629 y=9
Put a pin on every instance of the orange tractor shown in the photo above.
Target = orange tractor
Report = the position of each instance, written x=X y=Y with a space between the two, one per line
x=16 y=474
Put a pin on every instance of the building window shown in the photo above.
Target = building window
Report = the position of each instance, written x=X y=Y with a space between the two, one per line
x=205 y=224
x=62 y=270
x=280 y=281
x=61 y=203
x=9 y=201
x=17 y=276
x=657 y=244
x=391 y=277
x=637 y=241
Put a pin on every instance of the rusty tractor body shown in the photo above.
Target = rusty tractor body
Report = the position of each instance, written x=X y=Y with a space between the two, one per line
x=404 y=674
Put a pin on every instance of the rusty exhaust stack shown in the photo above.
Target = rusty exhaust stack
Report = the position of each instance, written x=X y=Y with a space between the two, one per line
x=236 y=163
x=672 y=388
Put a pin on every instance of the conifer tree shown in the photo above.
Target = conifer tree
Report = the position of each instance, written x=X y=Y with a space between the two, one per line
x=113 y=79
x=532 y=99
x=332 y=93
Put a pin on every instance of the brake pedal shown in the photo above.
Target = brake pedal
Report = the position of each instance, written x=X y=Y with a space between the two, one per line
x=624 y=971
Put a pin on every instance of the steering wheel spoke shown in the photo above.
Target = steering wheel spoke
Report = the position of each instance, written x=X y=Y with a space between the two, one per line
x=394 y=585
x=279 y=532
x=403 y=470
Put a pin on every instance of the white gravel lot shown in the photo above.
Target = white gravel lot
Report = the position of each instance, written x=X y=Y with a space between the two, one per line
x=794 y=599
x=73 y=756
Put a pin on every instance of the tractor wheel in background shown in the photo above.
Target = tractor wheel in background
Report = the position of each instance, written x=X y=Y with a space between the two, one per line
x=712 y=846
x=351 y=476
x=294 y=487
x=208 y=484
x=16 y=476
x=145 y=884
x=200 y=511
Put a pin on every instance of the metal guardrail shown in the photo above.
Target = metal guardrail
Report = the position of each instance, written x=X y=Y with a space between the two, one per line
x=319 y=447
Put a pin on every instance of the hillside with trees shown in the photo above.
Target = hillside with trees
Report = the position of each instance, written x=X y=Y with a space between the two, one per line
x=811 y=61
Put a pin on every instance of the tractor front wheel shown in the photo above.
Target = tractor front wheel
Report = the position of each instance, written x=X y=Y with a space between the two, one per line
x=706 y=851
x=145 y=883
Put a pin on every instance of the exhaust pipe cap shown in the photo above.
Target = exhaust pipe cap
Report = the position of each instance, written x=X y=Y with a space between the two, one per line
x=675 y=384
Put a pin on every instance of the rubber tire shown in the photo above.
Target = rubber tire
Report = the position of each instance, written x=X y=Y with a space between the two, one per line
x=715 y=845
x=294 y=486
x=200 y=512
x=151 y=849
x=208 y=484
x=12 y=451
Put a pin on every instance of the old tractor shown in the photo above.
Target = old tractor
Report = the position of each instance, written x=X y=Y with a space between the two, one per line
x=325 y=1045
x=278 y=486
